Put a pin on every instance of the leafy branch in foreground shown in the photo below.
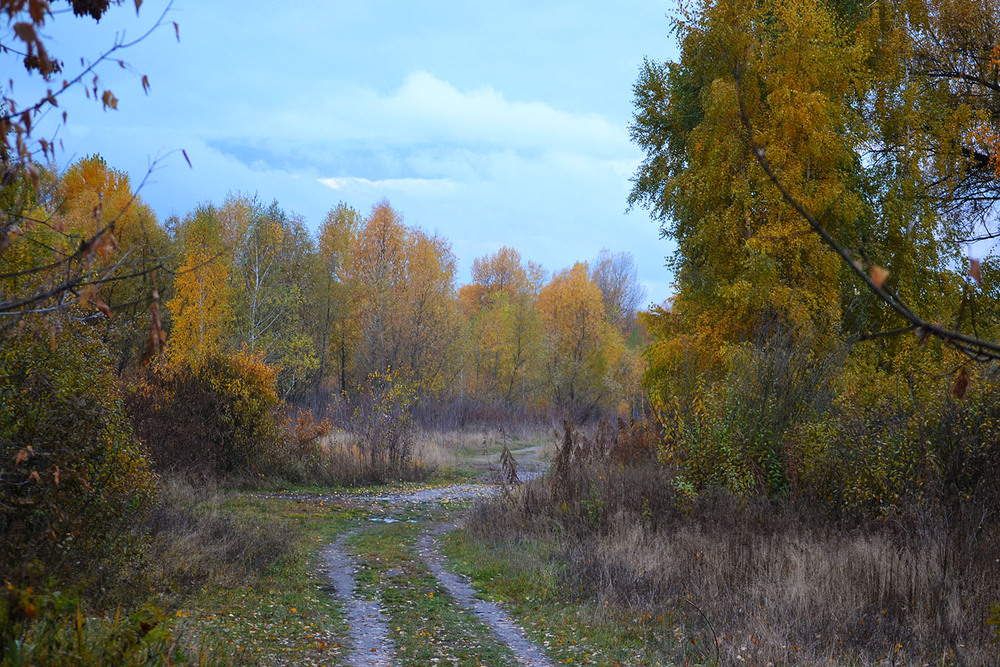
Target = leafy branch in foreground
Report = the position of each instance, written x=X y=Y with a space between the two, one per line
x=871 y=274
x=53 y=256
x=76 y=264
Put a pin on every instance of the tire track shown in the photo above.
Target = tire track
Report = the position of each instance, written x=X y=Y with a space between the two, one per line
x=504 y=629
x=367 y=623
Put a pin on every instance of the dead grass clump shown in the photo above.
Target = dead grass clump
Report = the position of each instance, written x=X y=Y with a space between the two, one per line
x=340 y=458
x=583 y=495
x=442 y=449
x=776 y=582
x=790 y=591
x=196 y=541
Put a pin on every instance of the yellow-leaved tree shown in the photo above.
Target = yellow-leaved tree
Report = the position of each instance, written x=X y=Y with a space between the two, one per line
x=202 y=303
x=582 y=347
x=335 y=323
x=404 y=297
x=506 y=334
x=873 y=118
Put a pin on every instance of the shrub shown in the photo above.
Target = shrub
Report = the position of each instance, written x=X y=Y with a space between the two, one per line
x=79 y=477
x=218 y=416
x=384 y=418
x=731 y=431
x=849 y=430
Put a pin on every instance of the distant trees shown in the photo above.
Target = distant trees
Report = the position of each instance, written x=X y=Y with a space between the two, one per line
x=617 y=276
x=506 y=336
x=404 y=292
x=363 y=296
x=582 y=345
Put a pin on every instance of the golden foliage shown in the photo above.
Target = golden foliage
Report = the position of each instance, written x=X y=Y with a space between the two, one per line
x=581 y=345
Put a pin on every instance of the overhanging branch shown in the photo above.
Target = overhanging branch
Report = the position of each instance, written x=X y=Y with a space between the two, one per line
x=971 y=346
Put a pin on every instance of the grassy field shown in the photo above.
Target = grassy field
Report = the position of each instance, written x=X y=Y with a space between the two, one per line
x=607 y=568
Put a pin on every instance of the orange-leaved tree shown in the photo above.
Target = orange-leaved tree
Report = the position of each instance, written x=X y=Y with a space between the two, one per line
x=69 y=273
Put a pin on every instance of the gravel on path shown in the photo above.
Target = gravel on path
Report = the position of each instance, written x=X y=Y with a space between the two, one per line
x=369 y=629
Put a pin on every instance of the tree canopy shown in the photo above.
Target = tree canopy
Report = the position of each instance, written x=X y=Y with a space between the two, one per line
x=880 y=119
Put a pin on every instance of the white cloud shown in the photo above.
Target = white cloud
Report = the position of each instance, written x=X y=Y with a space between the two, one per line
x=433 y=108
x=421 y=186
x=423 y=111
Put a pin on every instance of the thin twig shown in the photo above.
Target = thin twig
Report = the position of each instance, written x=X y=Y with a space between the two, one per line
x=715 y=637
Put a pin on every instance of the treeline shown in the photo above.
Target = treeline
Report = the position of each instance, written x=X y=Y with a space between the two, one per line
x=363 y=294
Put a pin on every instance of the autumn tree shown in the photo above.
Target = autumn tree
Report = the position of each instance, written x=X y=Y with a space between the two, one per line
x=581 y=345
x=408 y=318
x=505 y=329
x=378 y=265
x=743 y=257
x=899 y=100
x=271 y=261
x=77 y=255
x=820 y=166
x=431 y=326
x=69 y=273
x=335 y=327
x=91 y=195
x=202 y=306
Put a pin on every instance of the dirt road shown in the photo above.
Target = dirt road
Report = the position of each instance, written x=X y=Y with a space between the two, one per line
x=368 y=612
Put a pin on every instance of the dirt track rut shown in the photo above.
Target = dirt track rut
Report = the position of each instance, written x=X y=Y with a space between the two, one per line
x=369 y=631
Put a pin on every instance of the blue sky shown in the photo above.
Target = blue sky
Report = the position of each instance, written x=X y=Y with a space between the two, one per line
x=490 y=123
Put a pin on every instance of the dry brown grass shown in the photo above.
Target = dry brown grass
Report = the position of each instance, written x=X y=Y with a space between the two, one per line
x=196 y=541
x=776 y=583
x=343 y=459
x=796 y=593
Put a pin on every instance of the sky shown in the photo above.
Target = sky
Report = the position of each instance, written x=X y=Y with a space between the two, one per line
x=489 y=123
